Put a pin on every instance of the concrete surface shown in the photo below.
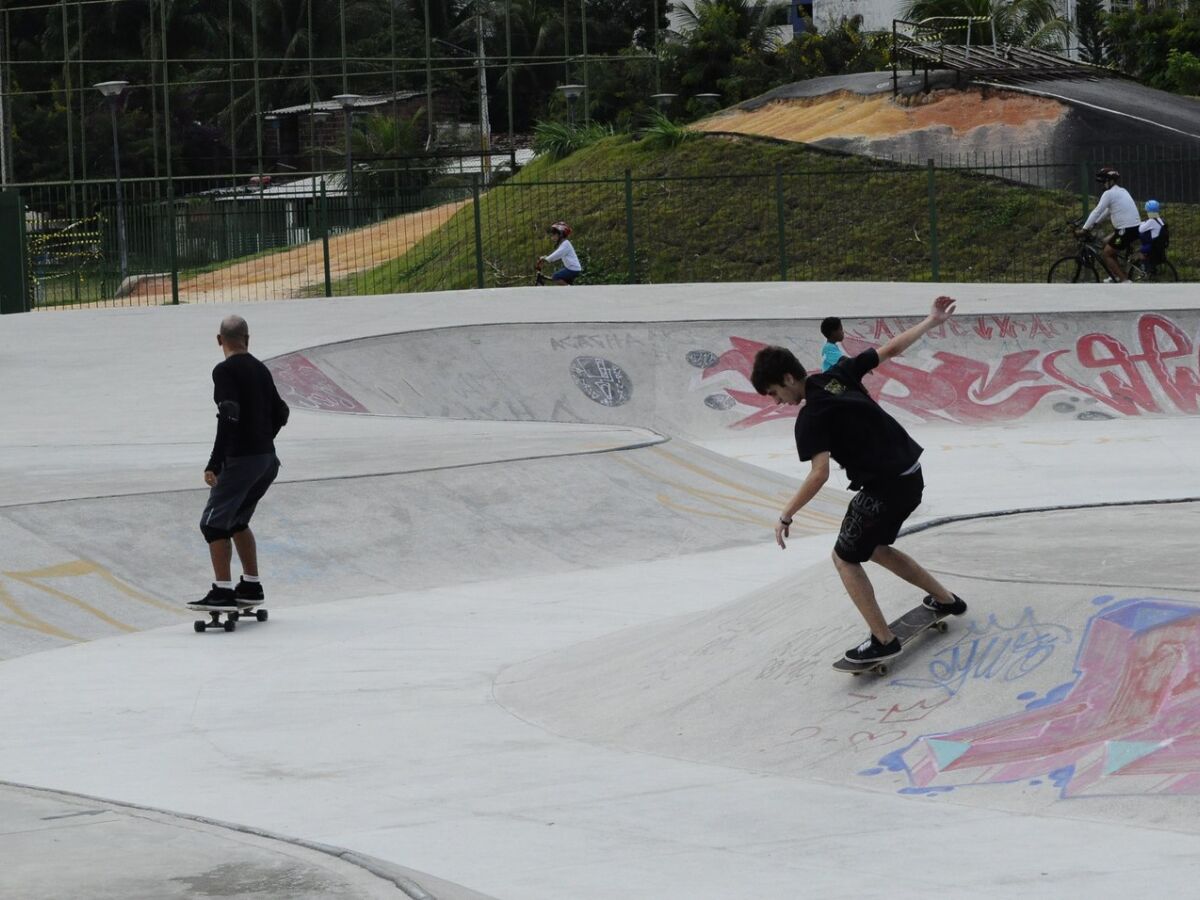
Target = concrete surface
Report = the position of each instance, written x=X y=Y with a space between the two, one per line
x=550 y=651
x=162 y=856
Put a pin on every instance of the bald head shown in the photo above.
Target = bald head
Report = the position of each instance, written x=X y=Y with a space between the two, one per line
x=235 y=333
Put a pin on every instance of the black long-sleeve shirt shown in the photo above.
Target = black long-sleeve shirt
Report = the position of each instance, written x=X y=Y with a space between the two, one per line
x=250 y=411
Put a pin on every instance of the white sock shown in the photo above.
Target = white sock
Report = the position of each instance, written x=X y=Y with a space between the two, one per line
x=252 y=579
x=227 y=585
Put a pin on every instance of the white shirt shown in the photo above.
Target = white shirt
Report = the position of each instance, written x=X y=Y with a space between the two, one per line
x=1120 y=208
x=1151 y=226
x=566 y=253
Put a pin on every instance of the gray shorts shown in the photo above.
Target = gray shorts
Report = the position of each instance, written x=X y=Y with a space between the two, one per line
x=231 y=501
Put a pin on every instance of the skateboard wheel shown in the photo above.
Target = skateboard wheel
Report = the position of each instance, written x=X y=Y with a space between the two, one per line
x=261 y=615
x=882 y=670
x=198 y=627
x=230 y=625
x=940 y=627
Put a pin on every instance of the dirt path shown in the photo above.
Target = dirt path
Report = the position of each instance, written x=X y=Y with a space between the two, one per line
x=297 y=272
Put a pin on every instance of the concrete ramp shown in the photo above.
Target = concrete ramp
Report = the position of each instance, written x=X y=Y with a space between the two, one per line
x=692 y=379
x=69 y=574
x=1072 y=677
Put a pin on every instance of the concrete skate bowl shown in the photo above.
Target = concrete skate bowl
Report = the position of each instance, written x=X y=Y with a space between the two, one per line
x=1068 y=689
x=690 y=380
x=1037 y=134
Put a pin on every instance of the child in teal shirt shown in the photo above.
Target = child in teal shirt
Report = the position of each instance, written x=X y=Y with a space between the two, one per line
x=834 y=335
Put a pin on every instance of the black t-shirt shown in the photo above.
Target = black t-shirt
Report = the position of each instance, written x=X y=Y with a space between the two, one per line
x=840 y=417
x=250 y=411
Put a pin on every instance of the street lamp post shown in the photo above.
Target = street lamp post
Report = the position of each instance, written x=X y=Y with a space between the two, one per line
x=572 y=92
x=663 y=100
x=112 y=91
x=348 y=102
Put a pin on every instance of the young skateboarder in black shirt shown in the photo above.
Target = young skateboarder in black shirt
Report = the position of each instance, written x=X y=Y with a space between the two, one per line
x=242 y=466
x=840 y=420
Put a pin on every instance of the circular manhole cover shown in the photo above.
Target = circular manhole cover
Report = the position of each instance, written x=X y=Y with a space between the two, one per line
x=601 y=380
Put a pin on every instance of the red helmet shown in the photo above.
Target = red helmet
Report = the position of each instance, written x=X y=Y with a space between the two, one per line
x=562 y=229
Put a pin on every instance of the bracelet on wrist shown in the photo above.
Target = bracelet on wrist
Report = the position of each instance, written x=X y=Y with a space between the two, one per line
x=783 y=521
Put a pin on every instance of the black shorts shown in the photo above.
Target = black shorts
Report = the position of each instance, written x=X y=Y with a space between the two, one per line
x=875 y=515
x=1125 y=238
x=231 y=501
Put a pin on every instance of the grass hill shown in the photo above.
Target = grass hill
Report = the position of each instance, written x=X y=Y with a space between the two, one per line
x=708 y=209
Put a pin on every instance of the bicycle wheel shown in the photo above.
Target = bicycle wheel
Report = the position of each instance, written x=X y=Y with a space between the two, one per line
x=1072 y=269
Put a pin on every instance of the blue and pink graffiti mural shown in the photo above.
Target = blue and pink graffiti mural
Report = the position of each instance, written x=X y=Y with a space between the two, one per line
x=1128 y=723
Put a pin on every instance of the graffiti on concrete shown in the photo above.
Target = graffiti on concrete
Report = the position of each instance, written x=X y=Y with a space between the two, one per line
x=1127 y=723
x=1153 y=370
x=601 y=380
x=303 y=386
x=994 y=650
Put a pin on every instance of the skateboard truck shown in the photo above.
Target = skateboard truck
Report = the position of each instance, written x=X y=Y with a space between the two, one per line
x=231 y=618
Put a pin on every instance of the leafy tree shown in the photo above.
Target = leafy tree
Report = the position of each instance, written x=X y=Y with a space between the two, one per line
x=1183 y=71
x=728 y=47
x=1025 y=23
x=1091 y=32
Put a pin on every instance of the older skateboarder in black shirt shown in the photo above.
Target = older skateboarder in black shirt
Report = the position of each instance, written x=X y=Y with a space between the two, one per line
x=242 y=466
x=840 y=420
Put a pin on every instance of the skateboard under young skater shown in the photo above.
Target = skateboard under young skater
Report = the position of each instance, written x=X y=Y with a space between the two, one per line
x=232 y=616
x=908 y=626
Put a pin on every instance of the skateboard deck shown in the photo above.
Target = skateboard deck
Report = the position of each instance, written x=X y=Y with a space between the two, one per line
x=232 y=617
x=907 y=627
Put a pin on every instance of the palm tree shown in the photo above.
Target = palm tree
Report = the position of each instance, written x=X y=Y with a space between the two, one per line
x=755 y=20
x=1025 y=23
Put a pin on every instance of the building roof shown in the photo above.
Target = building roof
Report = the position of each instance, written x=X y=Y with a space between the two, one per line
x=366 y=101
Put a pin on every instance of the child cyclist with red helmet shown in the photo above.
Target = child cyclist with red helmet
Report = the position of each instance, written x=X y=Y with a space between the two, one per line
x=563 y=253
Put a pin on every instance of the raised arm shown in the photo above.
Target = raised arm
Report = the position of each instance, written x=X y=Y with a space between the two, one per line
x=943 y=309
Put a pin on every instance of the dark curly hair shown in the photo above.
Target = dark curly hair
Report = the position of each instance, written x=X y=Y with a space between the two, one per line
x=771 y=364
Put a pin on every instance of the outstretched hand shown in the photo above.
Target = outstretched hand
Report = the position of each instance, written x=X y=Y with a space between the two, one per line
x=943 y=309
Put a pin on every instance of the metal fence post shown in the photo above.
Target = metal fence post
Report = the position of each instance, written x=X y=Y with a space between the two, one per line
x=781 y=221
x=1083 y=188
x=172 y=249
x=323 y=224
x=14 y=275
x=935 y=266
x=630 y=247
x=478 y=231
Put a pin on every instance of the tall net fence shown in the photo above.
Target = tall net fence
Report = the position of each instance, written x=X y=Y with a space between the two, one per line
x=323 y=235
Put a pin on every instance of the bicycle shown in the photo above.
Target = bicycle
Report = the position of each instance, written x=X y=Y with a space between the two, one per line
x=1087 y=263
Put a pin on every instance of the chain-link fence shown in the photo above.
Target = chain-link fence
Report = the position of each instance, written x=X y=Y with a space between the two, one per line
x=1000 y=220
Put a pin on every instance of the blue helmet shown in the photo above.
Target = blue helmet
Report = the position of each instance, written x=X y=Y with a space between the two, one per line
x=1152 y=207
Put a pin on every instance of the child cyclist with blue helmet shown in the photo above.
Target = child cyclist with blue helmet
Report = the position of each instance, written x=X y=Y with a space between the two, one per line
x=1152 y=234
x=563 y=253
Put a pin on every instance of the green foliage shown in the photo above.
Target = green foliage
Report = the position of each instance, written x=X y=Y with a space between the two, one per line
x=558 y=140
x=1091 y=32
x=659 y=133
x=1142 y=40
x=1024 y=23
x=1183 y=71
x=842 y=49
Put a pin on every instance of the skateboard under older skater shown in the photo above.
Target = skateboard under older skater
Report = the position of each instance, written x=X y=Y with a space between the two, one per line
x=232 y=617
x=907 y=627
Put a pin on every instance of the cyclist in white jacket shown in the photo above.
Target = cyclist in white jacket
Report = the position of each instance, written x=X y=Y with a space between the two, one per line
x=564 y=253
x=1122 y=211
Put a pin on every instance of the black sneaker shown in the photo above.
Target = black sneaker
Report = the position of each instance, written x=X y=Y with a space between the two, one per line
x=218 y=598
x=248 y=592
x=871 y=650
x=957 y=608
